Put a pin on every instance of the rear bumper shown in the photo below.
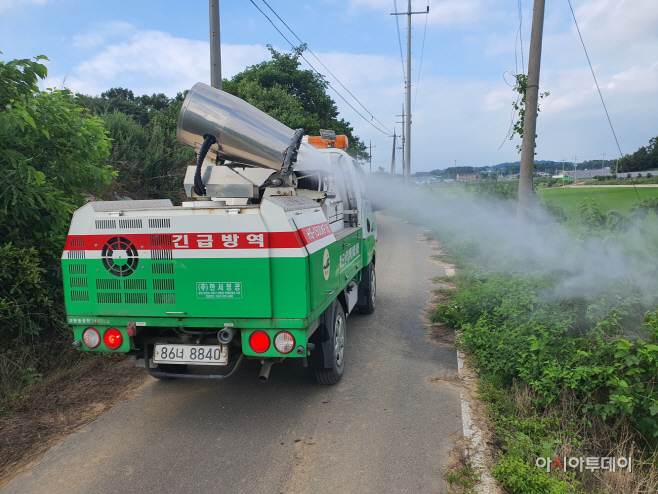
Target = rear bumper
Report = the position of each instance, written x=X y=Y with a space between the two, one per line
x=147 y=336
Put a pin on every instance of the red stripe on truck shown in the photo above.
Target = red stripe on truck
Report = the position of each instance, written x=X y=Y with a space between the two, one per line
x=314 y=233
x=172 y=241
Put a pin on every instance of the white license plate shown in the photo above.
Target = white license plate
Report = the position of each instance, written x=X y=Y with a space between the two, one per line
x=191 y=354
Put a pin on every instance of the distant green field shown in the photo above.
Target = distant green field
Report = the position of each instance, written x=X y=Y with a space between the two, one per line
x=607 y=198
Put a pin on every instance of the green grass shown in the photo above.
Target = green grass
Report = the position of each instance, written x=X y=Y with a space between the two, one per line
x=607 y=198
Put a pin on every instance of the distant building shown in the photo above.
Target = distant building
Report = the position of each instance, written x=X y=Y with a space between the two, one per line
x=584 y=174
x=468 y=177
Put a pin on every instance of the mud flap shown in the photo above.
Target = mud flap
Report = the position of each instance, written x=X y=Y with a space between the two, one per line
x=364 y=286
x=323 y=355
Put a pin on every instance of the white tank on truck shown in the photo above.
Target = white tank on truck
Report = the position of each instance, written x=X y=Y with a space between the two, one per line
x=275 y=247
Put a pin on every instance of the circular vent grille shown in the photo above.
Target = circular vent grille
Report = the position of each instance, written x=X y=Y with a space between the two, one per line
x=120 y=257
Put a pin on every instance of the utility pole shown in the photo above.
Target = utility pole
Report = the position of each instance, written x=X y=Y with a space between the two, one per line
x=409 y=13
x=393 y=157
x=602 y=163
x=404 y=144
x=370 y=156
x=575 y=167
x=215 y=46
x=530 y=120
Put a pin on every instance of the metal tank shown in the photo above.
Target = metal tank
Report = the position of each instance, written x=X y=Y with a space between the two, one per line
x=244 y=134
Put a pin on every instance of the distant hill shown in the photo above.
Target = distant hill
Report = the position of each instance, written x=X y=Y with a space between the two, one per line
x=539 y=162
x=512 y=168
x=504 y=168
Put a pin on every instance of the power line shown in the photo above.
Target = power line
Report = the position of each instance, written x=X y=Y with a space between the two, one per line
x=316 y=57
x=420 y=66
x=387 y=132
x=520 y=38
x=397 y=23
x=595 y=81
x=598 y=88
x=513 y=112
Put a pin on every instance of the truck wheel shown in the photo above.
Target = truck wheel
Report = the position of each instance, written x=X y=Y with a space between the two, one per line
x=369 y=288
x=336 y=326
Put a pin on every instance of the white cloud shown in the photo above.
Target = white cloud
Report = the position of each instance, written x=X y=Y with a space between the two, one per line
x=635 y=80
x=356 y=70
x=497 y=99
x=371 y=79
x=615 y=23
x=101 y=33
x=619 y=32
x=6 y=5
x=154 y=62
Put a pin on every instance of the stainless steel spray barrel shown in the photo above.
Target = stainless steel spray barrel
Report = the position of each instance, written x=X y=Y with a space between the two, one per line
x=244 y=134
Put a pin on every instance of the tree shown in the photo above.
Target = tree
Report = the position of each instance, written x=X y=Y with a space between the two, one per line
x=52 y=156
x=645 y=158
x=52 y=153
x=140 y=108
x=145 y=153
x=297 y=98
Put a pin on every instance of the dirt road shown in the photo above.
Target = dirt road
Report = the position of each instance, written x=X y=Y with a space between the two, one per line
x=384 y=428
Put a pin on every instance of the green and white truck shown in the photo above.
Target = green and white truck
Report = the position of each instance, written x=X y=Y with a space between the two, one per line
x=273 y=251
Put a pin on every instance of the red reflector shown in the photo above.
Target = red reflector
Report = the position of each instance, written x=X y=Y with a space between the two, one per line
x=113 y=338
x=259 y=341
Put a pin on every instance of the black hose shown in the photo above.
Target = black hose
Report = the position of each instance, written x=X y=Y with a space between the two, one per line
x=290 y=155
x=199 y=188
x=196 y=376
x=276 y=182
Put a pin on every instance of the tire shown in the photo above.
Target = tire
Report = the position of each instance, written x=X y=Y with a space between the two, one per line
x=336 y=327
x=368 y=286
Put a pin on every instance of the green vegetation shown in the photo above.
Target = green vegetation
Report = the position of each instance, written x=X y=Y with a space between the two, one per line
x=462 y=479
x=53 y=154
x=562 y=376
x=645 y=158
x=521 y=87
x=150 y=162
x=623 y=179
x=493 y=189
x=620 y=199
x=558 y=378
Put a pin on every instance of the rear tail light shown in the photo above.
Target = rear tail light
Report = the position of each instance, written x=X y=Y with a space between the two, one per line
x=91 y=337
x=113 y=338
x=284 y=342
x=259 y=341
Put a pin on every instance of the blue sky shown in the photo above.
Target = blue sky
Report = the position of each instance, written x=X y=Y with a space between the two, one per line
x=463 y=104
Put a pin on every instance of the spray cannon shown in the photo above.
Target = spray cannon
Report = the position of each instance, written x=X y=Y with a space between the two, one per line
x=225 y=130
